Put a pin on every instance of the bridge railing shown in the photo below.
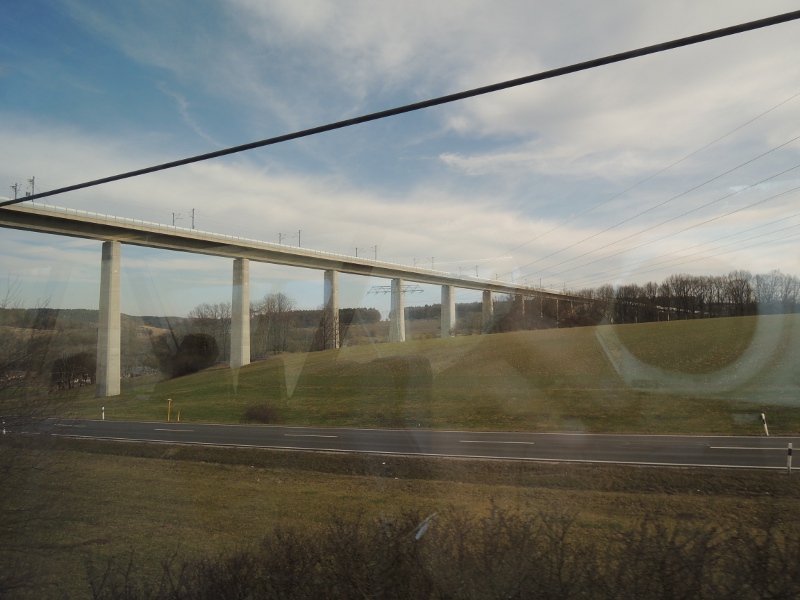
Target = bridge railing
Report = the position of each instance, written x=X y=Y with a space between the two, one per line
x=223 y=236
x=251 y=241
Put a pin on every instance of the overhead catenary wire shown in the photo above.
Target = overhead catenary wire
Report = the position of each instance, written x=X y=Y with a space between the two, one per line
x=617 y=270
x=683 y=251
x=597 y=277
x=763 y=201
x=649 y=177
x=657 y=225
x=681 y=260
x=733 y=212
x=587 y=280
x=558 y=72
x=590 y=279
x=772 y=241
x=639 y=214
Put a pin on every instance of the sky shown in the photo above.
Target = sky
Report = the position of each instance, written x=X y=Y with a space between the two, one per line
x=682 y=162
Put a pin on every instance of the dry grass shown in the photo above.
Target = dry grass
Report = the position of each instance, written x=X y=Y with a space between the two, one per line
x=158 y=500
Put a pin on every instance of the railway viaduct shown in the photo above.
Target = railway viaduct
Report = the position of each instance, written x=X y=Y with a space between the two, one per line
x=113 y=231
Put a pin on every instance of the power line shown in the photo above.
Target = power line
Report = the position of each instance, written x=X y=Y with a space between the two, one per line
x=611 y=272
x=639 y=214
x=789 y=191
x=648 y=269
x=646 y=229
x=574 y=68
x=656 y=174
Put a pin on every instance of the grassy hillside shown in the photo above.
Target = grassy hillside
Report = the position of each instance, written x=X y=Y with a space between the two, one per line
x=709 y=376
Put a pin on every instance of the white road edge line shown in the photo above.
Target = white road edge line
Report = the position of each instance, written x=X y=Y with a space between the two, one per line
x=309 y=435
x=492 y=442
x=157 y=429
x=741 y=448
x=462 y=432
x=389 y=453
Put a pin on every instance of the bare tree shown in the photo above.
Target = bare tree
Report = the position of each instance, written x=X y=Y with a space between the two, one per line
x=776 y=292
x=326 y=330
x=214 y=320
x=272 y=319
x=767 y=291
x=605 y=298
x=790 y=293
x=740 y=292
x=25 y=405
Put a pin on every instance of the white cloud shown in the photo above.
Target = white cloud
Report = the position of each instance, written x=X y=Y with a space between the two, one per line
x=240 y=197
x=493 y=172
x=183 y=109
x=309 y=62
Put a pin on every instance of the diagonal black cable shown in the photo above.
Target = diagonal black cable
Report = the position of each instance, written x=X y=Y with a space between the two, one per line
x=583 y=66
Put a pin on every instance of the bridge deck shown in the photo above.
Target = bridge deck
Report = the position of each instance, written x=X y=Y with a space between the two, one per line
x=88 y=225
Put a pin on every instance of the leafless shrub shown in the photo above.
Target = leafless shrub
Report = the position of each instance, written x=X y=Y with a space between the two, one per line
x=262 y=413
x=505 y=554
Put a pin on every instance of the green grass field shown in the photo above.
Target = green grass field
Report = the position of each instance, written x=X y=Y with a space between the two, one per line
x=701 y=376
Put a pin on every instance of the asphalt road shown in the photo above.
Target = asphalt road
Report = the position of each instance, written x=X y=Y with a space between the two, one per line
x=748 y=452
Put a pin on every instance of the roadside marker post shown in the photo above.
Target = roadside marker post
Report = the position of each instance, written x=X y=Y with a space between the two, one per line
x=169 y=407
x=764 y=419
x=103 y=413
x=789 y=459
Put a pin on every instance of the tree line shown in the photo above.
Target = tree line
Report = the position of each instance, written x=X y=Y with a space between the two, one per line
x=678 y=297
x=683 y=296
x=278 y=326
x=275 y=324
x=434 y=311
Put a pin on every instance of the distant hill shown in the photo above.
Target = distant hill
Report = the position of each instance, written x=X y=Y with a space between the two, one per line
x=710 y=376
x=47 y=318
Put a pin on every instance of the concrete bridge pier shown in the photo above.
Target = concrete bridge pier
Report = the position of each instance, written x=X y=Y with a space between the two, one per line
x=240 y=314
x=397 y=325
x=108 y=327
x=487 y=315
x=519 y=304
x=448 y=311
x=331 y=304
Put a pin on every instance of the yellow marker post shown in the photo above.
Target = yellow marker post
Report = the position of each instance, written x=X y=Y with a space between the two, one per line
x=179 y=416
x=169 y=407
